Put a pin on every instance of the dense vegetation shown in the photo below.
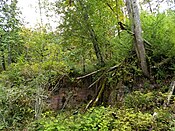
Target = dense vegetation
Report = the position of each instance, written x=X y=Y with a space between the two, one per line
x=93 y=49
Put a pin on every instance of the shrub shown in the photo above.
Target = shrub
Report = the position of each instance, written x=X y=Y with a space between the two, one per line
x=144 y=102
x=16 y=107
x=104 y=119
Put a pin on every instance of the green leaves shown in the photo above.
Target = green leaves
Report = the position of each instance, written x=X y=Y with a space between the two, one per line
x=15 y=107
x=101 y=118
x=10 y=44
x=158 y=30
x=94 y=16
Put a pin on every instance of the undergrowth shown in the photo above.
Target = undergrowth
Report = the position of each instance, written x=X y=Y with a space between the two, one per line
x=106 y=119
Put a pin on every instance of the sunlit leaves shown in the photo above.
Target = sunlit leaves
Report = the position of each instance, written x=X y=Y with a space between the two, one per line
x=159 y=30
x=96 y=14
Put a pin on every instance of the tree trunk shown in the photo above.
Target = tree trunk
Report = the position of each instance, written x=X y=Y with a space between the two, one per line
x=150 y=8
x=138 y=40
x=3 y=60
x=93 y=36
x=96 y=47
x=128 y=6
x=9 y=54
x=9 y=61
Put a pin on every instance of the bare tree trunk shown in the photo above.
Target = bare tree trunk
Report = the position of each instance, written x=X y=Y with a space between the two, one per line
x=138 y=40
x=128 y=6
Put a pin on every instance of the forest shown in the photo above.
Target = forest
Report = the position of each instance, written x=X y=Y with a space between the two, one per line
x=107 y=66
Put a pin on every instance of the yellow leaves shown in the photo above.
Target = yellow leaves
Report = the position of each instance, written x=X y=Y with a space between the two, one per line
x=117 y=7
x=69 y=2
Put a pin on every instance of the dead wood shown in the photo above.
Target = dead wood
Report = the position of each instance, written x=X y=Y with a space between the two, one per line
x=99 y=93
x=57 y=84
x=67 y=100
x=162 y=62
x=171 y=91
x=90 y=74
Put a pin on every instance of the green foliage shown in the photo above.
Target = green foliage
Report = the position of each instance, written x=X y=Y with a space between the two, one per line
x=130 y=120
x=10 y=40
x=22 y=80
x=163 y=120
x=34 y=60
x=101 y=118
x=16 y=107
x=77 y=22
x=41 y=56
x=94 y=119
x=158 y=30
x=144 y=101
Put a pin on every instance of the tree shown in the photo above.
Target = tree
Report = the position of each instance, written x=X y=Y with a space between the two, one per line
x=133 y=11
x=85 y=27
x=92 y=34
x=9 y=25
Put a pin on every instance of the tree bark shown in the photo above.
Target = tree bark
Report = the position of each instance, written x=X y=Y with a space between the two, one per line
x=9 y=54
x=150 y=8
x=96 y=47
x=138 y=40
x=3 y=60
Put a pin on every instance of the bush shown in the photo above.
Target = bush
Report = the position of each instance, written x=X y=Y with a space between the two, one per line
x=104 y=119
x=144 y=102
x=16 y=107
x=94 y=119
